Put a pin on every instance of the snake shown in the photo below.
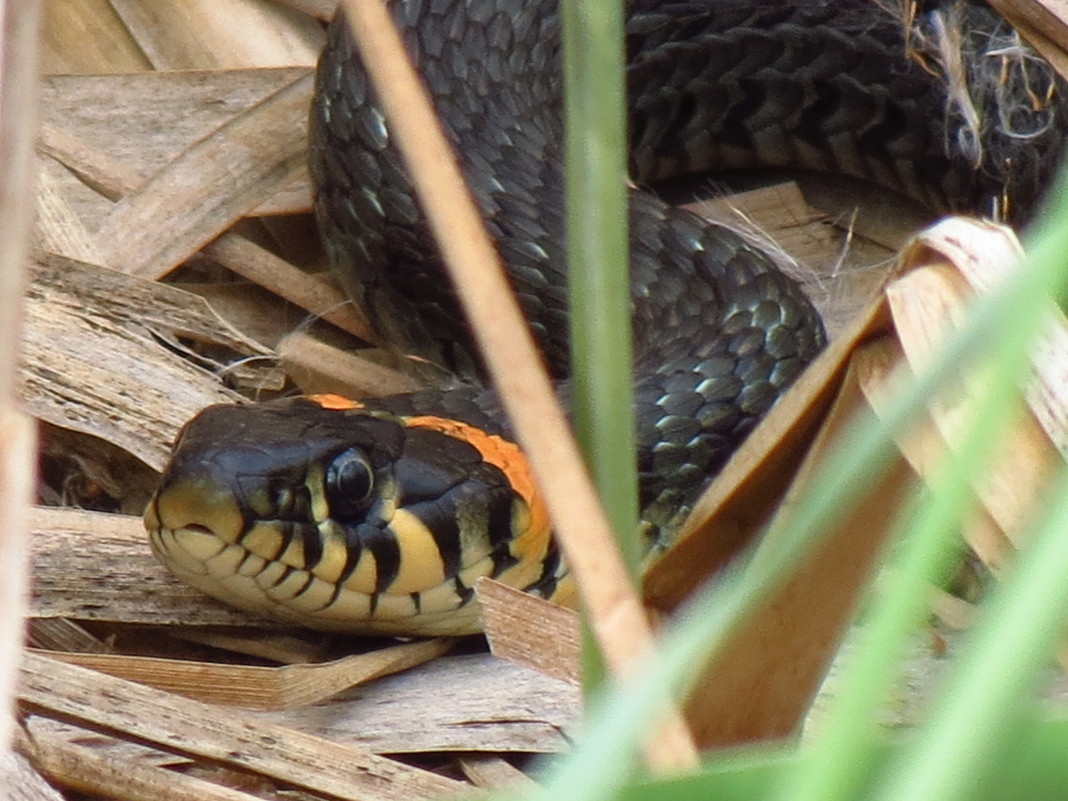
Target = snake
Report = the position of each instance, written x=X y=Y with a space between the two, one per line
x=379 y=515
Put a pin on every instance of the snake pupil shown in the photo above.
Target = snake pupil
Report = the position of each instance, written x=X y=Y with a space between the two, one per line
x=349 y=483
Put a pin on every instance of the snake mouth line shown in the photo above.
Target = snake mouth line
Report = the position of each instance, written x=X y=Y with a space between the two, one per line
x=298 y=593
x=232 y=574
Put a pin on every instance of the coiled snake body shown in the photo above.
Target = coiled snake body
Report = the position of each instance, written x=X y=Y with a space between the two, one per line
x=380 y=515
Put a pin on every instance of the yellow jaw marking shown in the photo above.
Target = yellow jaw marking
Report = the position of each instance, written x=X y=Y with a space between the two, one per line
x=420 y=565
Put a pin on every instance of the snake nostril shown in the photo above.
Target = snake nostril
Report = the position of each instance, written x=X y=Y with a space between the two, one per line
x=202 y=507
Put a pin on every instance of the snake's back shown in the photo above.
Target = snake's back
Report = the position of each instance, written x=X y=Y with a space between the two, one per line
x=719 y=332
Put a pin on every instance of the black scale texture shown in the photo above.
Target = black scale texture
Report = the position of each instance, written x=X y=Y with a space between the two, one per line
x=720 y=333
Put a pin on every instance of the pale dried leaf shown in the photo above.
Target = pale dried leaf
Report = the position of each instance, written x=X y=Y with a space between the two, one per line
x=22 y=782
x=62 y=634
x=117 y=131
x=530 y=631
x=760 y=685
x=923 y=446
x=320 y=9
x=201 y=193
x=986 y=254
x=85 y=36
x=458 y=703
x=192 y=727
x=141 y=393
x=253 y=686
x=59 y=228
x=926 y=304
x=93 y=566
x=494 y=773
x=107 y=766
x=220 y=34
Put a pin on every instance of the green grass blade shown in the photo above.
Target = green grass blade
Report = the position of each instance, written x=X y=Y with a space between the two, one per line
x=977 y=718
x=598 y=274
x=1038 y=769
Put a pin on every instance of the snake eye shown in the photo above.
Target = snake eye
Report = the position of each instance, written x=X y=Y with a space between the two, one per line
x=349 y=483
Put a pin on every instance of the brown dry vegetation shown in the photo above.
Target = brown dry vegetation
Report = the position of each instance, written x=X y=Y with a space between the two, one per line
x=174 y=265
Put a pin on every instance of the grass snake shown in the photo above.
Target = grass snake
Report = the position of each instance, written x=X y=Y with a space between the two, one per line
x=379 y=515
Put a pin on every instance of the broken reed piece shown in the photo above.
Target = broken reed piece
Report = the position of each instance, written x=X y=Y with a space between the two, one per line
x=255 y=686
x=958 y=261
x=174 y=724
x=531 y=631
x=143 y=392
x=319 y=368
x=96 y=566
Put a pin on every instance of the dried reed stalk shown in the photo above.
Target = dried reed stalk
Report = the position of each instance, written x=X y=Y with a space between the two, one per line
x=19 y=36
x=615 y=612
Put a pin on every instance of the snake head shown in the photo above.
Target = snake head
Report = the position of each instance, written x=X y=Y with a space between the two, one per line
x=344 y=518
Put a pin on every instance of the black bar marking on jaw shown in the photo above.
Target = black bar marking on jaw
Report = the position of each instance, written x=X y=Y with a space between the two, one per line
x=308 y=578
x=288 y=530
x=466 y=593
x=245 y=559
x=446 y=532
x=312 y=541
x=383 y=545
x=353 y=552
x=545 y=585
x=286 y=572
x=500 y=514
x=247 y=527
x=502 y=559
x=339 y=585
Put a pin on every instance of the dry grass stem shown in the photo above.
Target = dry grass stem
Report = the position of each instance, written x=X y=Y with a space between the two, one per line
x=19 y=36
x=615 y=613
x=1044 y=24
x=316 y=367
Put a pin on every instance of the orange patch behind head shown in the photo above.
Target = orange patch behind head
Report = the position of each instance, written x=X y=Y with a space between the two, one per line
x=334 y=402
x=502 y=454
